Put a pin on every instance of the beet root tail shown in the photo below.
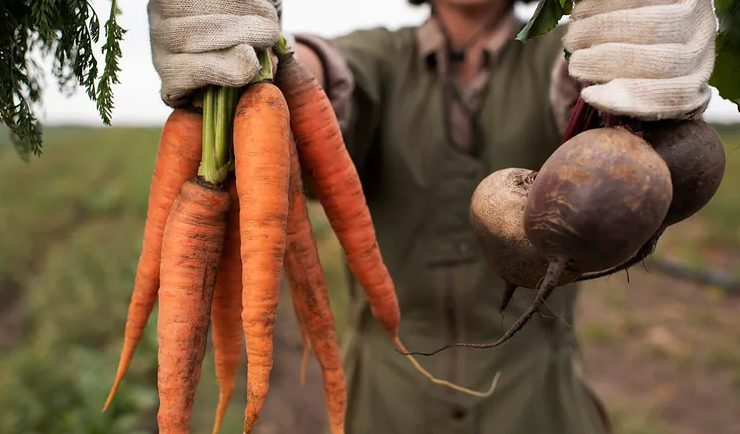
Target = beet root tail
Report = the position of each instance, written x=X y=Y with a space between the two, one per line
x=549 y=283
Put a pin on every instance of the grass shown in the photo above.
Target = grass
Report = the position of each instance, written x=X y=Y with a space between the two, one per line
x=70 y=228
x=70 y=232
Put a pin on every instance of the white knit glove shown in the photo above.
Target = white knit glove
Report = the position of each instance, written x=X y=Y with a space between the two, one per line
x=200 y=42
x=649 y=59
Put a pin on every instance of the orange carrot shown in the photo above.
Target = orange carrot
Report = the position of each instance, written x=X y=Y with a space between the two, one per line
x=299 y=314
x=191 y=250
x=304 y=359
x=302 y=327
x=310 y=298
x=262 y=161
x=227 y=310
x=334 y=179
x=177 y=160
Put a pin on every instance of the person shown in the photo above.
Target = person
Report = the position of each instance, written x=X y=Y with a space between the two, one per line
x=427 y=112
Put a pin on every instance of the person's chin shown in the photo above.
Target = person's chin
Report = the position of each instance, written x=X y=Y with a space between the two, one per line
x=473 y=3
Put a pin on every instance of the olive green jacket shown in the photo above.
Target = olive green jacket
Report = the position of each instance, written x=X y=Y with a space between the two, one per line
x=418 y=188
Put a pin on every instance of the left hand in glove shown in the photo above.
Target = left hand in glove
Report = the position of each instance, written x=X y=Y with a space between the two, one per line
x=648 y=59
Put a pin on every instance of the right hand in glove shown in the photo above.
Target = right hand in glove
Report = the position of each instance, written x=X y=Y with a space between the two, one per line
x=196 y=43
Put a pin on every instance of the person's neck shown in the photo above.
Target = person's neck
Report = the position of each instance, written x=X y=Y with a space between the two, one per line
x=462 y=24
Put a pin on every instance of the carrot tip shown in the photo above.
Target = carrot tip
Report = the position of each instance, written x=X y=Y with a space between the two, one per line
x=304 y=364
x=111 y=394
x=223 y=403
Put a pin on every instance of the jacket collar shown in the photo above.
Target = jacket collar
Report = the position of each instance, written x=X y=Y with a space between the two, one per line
x=431 y=39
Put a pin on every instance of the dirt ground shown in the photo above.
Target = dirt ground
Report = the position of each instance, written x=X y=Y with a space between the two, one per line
x=663 y=354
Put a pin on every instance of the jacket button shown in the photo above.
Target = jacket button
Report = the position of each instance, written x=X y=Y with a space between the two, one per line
x=463 y=248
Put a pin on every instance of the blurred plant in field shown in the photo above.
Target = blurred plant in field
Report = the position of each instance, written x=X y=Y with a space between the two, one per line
x=69 y=243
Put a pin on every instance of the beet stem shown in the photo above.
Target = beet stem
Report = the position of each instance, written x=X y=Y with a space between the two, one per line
x=575 y=123
x=549 y=283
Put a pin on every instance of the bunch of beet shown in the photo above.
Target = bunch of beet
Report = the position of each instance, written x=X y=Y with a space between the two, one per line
x=598 y=205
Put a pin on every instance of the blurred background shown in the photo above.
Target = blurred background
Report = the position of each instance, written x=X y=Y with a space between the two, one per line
x=660 y=346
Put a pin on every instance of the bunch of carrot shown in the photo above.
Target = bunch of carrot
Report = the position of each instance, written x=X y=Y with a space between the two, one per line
x=227 y=214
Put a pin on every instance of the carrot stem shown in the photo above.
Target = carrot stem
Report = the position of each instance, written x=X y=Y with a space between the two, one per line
x=266 y=70
x=208 y=169
x=219 y=105
x=282 y=48
x=221 y=126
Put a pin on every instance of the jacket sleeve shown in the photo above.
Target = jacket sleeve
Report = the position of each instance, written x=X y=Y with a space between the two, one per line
x=355 y=73
x=564 y=93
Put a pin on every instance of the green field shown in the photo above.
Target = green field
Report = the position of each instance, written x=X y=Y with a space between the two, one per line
x=70 y=232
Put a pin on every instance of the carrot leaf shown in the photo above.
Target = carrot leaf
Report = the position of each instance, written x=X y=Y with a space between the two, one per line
x=727 y=45
x=65 y=31
x=546 y=17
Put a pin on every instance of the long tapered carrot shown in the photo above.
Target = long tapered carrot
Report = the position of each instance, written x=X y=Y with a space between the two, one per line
x=192 y=247
x=336 y=183
x=300 y=315
x=226 y=322
x=177 y=160
x=311 y=300
x=262 y=162
x=302 y=328
x=334 y=180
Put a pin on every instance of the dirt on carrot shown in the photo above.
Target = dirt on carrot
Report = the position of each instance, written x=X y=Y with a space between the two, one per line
x=177 y=161
x=262 y=161
x=311 y=299
x=334 y=180
x=192 y=247
x=226 y=311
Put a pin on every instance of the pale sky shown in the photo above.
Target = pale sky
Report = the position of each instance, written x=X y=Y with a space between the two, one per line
x=137 y=96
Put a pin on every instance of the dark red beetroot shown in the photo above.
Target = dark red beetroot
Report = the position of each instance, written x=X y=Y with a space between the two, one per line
x=696 y=159
x=695 y=156
x=597 y=199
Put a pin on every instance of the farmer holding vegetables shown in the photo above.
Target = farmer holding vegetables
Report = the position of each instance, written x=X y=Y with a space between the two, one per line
x=426 y=114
